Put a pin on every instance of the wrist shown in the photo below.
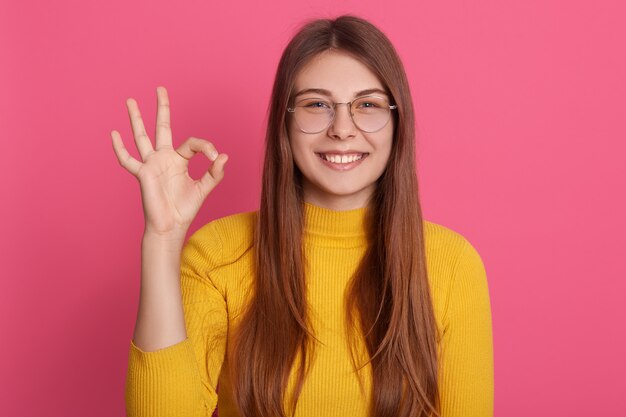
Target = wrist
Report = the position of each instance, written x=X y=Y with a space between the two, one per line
x=171 y=239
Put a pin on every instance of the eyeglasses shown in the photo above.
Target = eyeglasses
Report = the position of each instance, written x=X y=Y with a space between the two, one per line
x=369 y=113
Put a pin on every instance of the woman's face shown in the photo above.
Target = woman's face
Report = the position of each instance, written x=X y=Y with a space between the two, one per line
x=336 y=185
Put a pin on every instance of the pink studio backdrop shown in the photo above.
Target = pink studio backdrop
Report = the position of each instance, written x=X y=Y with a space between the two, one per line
x=521 y=131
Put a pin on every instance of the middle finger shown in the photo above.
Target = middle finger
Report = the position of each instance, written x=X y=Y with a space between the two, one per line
x=163 y=127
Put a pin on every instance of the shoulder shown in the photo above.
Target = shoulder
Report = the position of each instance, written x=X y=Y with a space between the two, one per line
x=454 y=265
x=234 y=230
x=445 y=247
x=448 y=247
x=438 y=236
x=221 y=240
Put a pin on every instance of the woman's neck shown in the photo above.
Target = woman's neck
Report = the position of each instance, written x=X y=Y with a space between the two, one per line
x=340 y=228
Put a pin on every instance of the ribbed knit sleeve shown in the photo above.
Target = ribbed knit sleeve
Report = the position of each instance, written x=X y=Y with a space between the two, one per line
x=180 y=380
x=467 y=386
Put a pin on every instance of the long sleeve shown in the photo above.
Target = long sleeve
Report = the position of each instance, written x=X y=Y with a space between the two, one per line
x=467 y=386
x=180 y=380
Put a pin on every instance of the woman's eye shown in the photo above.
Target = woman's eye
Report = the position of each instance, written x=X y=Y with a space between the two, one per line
x=316 y=104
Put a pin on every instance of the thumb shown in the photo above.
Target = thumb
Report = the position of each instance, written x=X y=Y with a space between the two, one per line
x=214 y=174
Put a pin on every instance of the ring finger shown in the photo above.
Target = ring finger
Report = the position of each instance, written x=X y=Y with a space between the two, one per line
x=139 y=131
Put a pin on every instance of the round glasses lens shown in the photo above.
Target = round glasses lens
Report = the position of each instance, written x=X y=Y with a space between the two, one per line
x=370 y=114
x=313 y=115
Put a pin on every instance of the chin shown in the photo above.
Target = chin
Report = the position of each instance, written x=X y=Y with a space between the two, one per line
x=339 y=192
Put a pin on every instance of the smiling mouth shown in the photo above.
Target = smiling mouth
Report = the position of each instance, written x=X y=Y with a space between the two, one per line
x=342 y=159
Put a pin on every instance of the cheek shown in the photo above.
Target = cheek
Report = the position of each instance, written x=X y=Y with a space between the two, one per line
x=297 y=150
x=385 y=150
x=384 y=143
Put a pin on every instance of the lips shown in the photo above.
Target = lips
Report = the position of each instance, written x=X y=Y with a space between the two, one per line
x=342 y=162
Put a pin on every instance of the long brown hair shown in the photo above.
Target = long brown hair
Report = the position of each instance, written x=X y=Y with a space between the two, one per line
x=388 y=302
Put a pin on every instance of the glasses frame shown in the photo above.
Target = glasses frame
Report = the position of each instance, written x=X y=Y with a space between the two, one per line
x=334 y=112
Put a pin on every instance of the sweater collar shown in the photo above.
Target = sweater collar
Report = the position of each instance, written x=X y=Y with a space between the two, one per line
x=332 y=228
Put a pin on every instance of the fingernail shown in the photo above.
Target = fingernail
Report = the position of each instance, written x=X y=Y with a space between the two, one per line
x=213 y=155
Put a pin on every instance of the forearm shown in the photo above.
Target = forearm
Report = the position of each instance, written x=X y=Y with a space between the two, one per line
x=160 y=317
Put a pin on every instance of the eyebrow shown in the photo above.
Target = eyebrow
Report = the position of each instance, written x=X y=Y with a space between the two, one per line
x=329 y=94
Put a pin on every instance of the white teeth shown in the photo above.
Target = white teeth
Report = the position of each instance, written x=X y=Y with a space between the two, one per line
x=341 y=159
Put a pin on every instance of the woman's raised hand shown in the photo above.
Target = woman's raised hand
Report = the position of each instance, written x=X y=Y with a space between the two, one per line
x=171 y=198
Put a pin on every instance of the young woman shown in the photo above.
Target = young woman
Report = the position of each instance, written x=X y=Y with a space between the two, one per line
x=335 y=298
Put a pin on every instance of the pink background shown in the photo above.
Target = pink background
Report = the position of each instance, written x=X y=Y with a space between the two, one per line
x=521 y=130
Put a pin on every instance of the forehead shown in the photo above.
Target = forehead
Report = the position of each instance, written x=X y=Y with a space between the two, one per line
x=337 y=72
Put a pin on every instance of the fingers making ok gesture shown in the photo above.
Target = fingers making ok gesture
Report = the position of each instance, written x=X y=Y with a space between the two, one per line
x=170 y=197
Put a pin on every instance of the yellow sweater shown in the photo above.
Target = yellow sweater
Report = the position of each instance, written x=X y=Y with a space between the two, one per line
x=216 y=265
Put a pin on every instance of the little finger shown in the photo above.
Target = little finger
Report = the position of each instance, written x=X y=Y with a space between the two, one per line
x=128 y=162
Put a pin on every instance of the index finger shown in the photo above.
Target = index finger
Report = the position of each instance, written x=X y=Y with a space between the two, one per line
x=163 y=128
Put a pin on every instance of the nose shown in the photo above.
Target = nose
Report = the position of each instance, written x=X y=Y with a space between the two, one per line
x=342 y=126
